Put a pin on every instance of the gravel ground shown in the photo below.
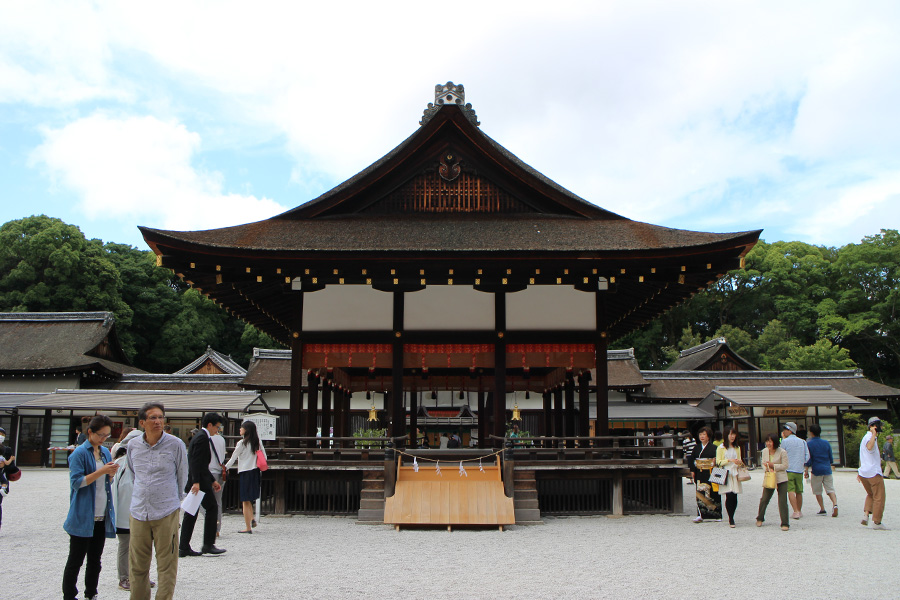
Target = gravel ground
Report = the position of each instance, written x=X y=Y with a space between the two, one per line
x=579 y=557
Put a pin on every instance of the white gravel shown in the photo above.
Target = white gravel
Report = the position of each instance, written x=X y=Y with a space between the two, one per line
x=653 y=556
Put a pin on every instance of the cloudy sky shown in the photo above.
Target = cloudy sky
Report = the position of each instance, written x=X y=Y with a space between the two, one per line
x=717 y=116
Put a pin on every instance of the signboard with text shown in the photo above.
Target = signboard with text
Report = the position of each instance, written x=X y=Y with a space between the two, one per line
x=265 y=424
x=785 y=411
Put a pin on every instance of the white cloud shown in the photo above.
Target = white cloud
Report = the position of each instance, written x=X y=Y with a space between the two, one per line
x=140 y=168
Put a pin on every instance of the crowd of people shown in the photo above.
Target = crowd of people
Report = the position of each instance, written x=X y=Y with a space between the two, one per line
x=137 y=496
x=718 y=470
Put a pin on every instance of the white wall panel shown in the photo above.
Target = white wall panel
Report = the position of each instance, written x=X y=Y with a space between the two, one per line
x=551 y=307
x=348 y=308
x=448 y=307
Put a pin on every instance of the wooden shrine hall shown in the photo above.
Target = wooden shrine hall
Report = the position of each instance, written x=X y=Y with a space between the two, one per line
x=448 y=264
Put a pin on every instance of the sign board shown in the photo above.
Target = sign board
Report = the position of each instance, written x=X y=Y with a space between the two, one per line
x=265 y=424
x=785 y=411
x=737 y=411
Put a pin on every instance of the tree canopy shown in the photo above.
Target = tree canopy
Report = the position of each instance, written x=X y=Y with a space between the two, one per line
x=47 y=265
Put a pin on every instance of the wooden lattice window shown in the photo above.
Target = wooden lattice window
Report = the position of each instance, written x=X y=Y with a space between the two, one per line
x=431 y=193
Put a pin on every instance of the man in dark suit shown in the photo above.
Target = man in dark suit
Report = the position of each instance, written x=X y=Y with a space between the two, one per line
x=201 y=480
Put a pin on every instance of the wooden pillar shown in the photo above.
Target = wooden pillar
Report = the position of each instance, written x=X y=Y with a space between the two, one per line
x=338 y=418
x=312 y=404
x=327 y=389
x=570 y=407
x=547 y=420
x=45 y=437
x=482 y=419
x=295 y=424
x=397 y=411
x=584 y=404
x=500 y=365
x=413 y=419
x=601 y=360
x=348 y=397
x=558 y=413
x=488 y=418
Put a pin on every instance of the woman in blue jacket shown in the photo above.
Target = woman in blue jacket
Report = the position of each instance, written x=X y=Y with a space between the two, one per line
x=91 y=516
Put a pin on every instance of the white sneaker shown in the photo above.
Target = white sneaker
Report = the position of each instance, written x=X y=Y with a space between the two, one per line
x=879 y=526
x=698 y=519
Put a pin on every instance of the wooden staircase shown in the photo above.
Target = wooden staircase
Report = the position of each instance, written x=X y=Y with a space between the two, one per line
x=525 y=497
x=371 y=501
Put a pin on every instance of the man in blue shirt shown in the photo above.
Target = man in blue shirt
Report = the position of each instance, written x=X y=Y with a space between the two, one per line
x=820 y=459
x=798 y=454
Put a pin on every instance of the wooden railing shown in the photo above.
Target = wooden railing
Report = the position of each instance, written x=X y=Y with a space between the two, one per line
x=614 y=449
x=286 y=450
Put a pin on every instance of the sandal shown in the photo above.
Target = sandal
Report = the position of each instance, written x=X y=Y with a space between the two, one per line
x=247 y=531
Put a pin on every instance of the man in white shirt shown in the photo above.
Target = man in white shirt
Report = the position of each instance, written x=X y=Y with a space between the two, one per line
x=798 y=456
x=215 y=467
x=869 y=475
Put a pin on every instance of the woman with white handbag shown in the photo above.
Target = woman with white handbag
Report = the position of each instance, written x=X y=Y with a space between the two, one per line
x=728 y=457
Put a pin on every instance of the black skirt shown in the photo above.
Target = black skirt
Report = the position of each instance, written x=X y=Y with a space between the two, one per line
x=249 y=481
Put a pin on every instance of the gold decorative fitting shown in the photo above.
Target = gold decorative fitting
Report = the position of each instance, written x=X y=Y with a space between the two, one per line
x=341 y=281
x=193 y=265
x=641 y=278
x=595 y=271
x=621 y=271
x=218 y=267
x=681 y=279
x=422 y=281
x=499 y=334
x=683 y=268
x=335 y=272
x=509 y=271
x=612 y=279
x=364 y=272
x=450 y=272
x=708 y=265
x=603 y=334
x=368 y=282
x=396 y=334
x=393 y=271
x=278 y=271
x=158 y=260
x=449 y=282
x=537 y=271
x=479 y=272
x=421 y=271
x=653 y=269
x=218 y=279
x=743 y=262
x=248 y=269
x=259 y=279
x=531 y=281
x=287 y=279
x=295 y=335
x=559 y=280
x=477 y=282
x=565 y=271
x=585 y=280
x=396 y=281
x=306 y=271
x=315 y=280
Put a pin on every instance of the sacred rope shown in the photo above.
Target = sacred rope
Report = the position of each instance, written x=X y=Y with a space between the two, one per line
x=437 y=463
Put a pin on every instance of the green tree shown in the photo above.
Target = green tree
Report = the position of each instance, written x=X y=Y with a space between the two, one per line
x=823 y=355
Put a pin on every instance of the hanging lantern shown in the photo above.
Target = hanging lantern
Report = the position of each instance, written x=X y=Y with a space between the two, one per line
x=517 y=415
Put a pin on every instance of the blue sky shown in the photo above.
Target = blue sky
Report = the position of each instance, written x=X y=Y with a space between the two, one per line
x=697 y=115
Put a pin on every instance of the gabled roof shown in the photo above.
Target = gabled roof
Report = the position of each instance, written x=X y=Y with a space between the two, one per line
x=695 y=385
x=176 y=382
x=174 y=401
x=785 y=395
x=224 y=364
x=61 y=343
x=714 y=355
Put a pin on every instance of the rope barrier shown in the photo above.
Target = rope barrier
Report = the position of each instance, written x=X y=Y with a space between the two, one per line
x=434 y=460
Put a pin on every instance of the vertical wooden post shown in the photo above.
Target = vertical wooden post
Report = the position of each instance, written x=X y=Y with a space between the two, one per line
x=295 y=426
x=413 y=419
x=482 y=419
x=327 y=389
x=339 y=413
x=312 y=405
x=398 y=413
x=558 y=413
x=584 y=404
x=548 y=415
x=570 y=407
x=500 y=366
x=601 y=360
x=618 y=490
x=279 y=492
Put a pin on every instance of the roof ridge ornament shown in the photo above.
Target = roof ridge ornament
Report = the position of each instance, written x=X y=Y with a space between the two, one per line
x=449 y=93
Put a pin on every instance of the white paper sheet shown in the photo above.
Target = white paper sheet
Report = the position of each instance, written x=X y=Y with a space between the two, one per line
x=191 y=502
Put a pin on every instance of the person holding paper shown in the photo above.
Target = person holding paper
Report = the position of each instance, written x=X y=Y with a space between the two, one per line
x=158 y=461
x=200 y=480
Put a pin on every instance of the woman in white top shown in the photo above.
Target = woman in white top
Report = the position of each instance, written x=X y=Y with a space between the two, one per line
x=245 y=456
x=728 y=456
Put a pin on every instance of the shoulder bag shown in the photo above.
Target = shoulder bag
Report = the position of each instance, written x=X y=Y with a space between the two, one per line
x=743 y=474
x=261 y=463
x=719 y=476
x=769 y=480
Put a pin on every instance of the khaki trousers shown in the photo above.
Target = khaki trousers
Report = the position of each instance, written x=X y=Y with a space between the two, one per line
x=890 y=465
x=163 y=535
x=874 y=496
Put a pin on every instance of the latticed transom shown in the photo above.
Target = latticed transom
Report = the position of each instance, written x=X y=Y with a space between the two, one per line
x=431 y=193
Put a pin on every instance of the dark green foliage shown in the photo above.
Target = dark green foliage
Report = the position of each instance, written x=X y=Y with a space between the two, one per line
x=47 y=265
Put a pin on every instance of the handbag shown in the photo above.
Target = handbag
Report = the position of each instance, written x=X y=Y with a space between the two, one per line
x=769 y=480
x=719 y=476
x=261 y=463
x=743 y=474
